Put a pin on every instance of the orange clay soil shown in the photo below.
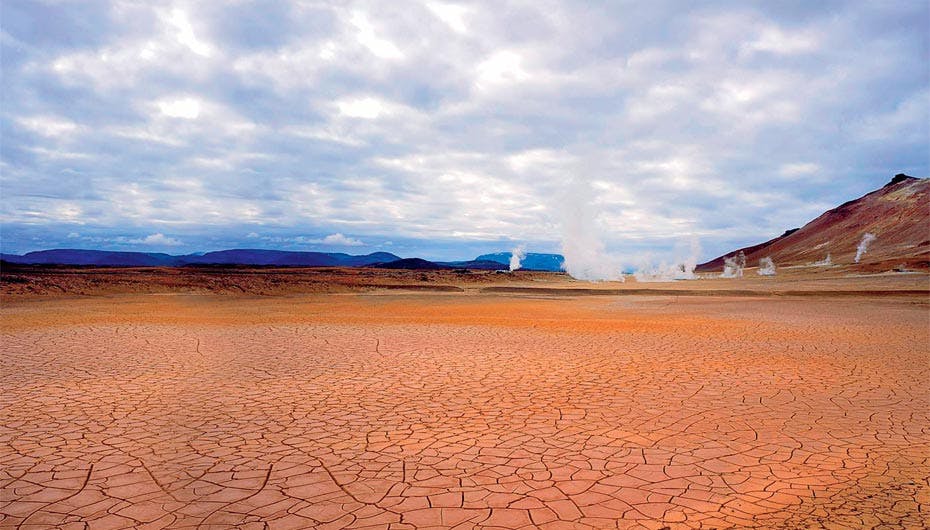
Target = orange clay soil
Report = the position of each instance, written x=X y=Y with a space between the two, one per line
x=467 y=410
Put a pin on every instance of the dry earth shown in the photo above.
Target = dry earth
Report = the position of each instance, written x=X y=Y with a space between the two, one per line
x=470 y=410
x=28 y=282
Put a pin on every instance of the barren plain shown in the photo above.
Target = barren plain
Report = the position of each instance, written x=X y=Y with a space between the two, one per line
x=436 y=400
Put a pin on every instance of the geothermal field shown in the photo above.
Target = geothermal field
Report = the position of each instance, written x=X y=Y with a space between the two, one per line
x=147 y=398
x=446 y=264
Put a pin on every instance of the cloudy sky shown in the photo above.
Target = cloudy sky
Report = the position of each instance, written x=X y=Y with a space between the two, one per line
x=446 y=129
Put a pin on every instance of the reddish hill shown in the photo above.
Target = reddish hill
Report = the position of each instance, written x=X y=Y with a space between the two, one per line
x=898 y=215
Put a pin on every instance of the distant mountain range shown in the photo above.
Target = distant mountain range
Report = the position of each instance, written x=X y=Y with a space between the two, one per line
x=272 y=258
x=280 y=258
x=897 y=217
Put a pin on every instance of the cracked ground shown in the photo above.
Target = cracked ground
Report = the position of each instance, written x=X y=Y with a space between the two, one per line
x=465 y=411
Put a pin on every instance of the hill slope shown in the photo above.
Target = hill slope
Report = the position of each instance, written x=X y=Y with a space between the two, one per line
x=898 y=215
x=412 y=264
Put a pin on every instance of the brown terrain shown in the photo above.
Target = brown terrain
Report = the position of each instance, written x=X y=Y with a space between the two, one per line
x=26 y=282
x=898 y=215
x=364 y=398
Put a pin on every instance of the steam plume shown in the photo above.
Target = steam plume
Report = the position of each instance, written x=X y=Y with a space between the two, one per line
x=733 y=266
x=766 y=267
x=867 y=239
x=825 y=262
x=681 y=269
x=582 y=243
x=516 y=256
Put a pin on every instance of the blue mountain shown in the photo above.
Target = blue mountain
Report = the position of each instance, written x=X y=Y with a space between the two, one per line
x=476 y=264
x=280 y=258
x=532 y=261
x=102 y=258
x=285 y=258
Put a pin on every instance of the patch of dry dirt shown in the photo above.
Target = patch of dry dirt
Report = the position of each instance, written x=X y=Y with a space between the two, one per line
x=468 y=410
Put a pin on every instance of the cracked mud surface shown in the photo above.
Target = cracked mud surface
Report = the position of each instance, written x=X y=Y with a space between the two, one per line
x=438 y=411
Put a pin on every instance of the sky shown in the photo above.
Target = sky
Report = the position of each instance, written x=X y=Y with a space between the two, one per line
x=444 y=130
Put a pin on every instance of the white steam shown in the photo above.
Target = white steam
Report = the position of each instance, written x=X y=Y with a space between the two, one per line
x=516 y=256
x=766 y=267
x=582 y=238
x=825 y=262
x=681 y=269
x=867 y=239
x=733 y=266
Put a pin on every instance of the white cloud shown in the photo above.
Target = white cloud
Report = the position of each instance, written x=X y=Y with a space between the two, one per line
x=340 y=240
x=776 y=40
x=186 y=108
x=367 y=37
x=501 y=68
x=368 y=108
x=798 y=169
x=288 y=68
x=157 y=239
x=156 y=45
x=452 y=15
x=50 y=126
x=334 y=133
x=69 y=211
x=184 y=33
x=335 y=240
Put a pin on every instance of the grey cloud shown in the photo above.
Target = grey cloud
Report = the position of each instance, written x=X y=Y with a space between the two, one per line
x=732 y=121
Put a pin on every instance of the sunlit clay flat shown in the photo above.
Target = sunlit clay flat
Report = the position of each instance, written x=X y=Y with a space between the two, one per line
x=396 y=409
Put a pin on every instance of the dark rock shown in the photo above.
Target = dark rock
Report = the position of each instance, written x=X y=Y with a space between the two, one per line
x=900 y=177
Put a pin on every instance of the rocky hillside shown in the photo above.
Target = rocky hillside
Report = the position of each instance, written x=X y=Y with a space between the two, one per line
x=897 y=216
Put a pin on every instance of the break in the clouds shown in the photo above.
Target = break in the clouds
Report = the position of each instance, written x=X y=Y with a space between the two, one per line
x=449 y=128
